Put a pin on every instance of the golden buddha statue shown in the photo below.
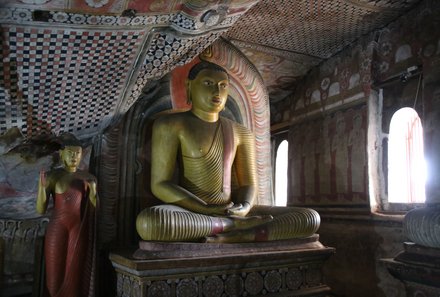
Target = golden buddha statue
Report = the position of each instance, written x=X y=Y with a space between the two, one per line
x=69 y=241
x=213 y=201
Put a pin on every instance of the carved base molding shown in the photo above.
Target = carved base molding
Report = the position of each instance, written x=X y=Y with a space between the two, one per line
x=294 y=270
x=418 y=268
x=21 y=248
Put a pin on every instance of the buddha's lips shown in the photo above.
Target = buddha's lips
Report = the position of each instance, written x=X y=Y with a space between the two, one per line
x=216 y=100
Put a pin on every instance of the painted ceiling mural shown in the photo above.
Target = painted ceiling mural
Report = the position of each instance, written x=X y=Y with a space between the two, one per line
x=77 y=66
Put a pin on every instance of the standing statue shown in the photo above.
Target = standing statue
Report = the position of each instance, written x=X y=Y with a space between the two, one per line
x=213 y=201
x=69 y=243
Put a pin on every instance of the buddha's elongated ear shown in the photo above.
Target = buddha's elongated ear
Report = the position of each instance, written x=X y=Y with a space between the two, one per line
x=188 y=91
x=61 y=156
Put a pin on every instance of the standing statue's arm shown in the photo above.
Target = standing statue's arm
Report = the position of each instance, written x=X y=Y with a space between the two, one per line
x=92 y=192
x=165 y=146
x=42 y=195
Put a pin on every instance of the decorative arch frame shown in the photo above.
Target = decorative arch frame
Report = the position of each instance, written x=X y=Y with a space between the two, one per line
x=248 y=91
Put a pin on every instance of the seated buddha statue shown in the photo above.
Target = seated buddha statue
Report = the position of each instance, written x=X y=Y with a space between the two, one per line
x=214 y=197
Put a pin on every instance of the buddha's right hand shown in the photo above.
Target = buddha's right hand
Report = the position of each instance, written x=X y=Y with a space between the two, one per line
x=239 y=209
x=41 y=195
x=220 y=210
x=241 y=223
x=42 y=180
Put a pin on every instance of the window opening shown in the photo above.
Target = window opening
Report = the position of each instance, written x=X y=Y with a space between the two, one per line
x=281 y=165
x=406 y=162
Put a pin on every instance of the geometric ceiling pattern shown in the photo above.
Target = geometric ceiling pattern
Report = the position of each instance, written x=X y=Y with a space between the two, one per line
x=302 y=33
x=315 y=28
x=77 y=66
x=62 y=80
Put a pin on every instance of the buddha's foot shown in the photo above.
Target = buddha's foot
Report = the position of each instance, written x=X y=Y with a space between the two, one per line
x=242 y=223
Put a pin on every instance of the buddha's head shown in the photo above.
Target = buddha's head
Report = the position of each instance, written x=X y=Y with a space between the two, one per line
x=70 y=152
x=207 y=87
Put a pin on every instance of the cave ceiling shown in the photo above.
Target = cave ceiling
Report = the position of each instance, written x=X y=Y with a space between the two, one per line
x=78 y=65
x=285 y=39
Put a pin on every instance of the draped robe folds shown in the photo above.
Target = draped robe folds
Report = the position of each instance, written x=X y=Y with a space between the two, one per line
x=174 y=223
x=70 y=243
x=214 y=188
x=210 y=177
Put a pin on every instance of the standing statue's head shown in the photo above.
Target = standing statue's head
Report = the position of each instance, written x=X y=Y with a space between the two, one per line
x=70 y=152
x=207 y=87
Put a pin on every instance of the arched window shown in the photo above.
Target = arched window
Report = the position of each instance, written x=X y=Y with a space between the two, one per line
x=406 y=162
x=281 y=164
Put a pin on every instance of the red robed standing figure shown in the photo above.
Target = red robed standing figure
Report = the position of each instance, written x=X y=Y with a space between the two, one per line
x=70 y=237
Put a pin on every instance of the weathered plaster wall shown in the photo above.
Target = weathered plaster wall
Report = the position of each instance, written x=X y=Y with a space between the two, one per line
x=339 y=119
x=355 y=269
x=328 y=159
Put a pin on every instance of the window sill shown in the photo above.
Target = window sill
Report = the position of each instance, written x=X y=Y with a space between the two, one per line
x=389 y=216
x=398 y=208
x=364 y=214
x=372 y=217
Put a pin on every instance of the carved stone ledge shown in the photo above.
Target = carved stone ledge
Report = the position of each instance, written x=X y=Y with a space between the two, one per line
x=20 y=245
x=418 y=267
x=168 y=250
x=291 y=271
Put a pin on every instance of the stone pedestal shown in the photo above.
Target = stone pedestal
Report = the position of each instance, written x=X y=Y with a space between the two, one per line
x=279 y=268
x=418 y=268
x=21 y=250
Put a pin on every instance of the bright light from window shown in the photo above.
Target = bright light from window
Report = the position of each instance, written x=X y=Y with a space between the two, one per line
x=406 y=163
x=281 y=164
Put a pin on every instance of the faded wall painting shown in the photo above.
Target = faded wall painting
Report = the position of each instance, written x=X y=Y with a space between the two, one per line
x=337 y=82
x=328 y=160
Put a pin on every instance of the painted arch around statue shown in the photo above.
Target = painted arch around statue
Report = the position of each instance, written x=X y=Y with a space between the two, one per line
x=247 y=103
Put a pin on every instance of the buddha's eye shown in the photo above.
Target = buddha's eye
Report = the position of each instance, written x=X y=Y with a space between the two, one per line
x=223 y=85
x=208 y=83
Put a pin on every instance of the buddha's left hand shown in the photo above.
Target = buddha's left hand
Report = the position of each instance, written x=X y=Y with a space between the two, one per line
x=239 y=209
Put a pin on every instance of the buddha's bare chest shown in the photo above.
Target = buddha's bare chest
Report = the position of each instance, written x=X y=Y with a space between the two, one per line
x=197 y=141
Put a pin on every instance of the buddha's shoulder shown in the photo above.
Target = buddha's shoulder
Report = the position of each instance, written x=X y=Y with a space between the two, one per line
x=237 y=127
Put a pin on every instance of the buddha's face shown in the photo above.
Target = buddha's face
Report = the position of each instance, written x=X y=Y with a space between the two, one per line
x=71 y=156
x=209 y=90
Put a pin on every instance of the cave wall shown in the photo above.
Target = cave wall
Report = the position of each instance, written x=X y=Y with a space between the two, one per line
x=337 y=132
